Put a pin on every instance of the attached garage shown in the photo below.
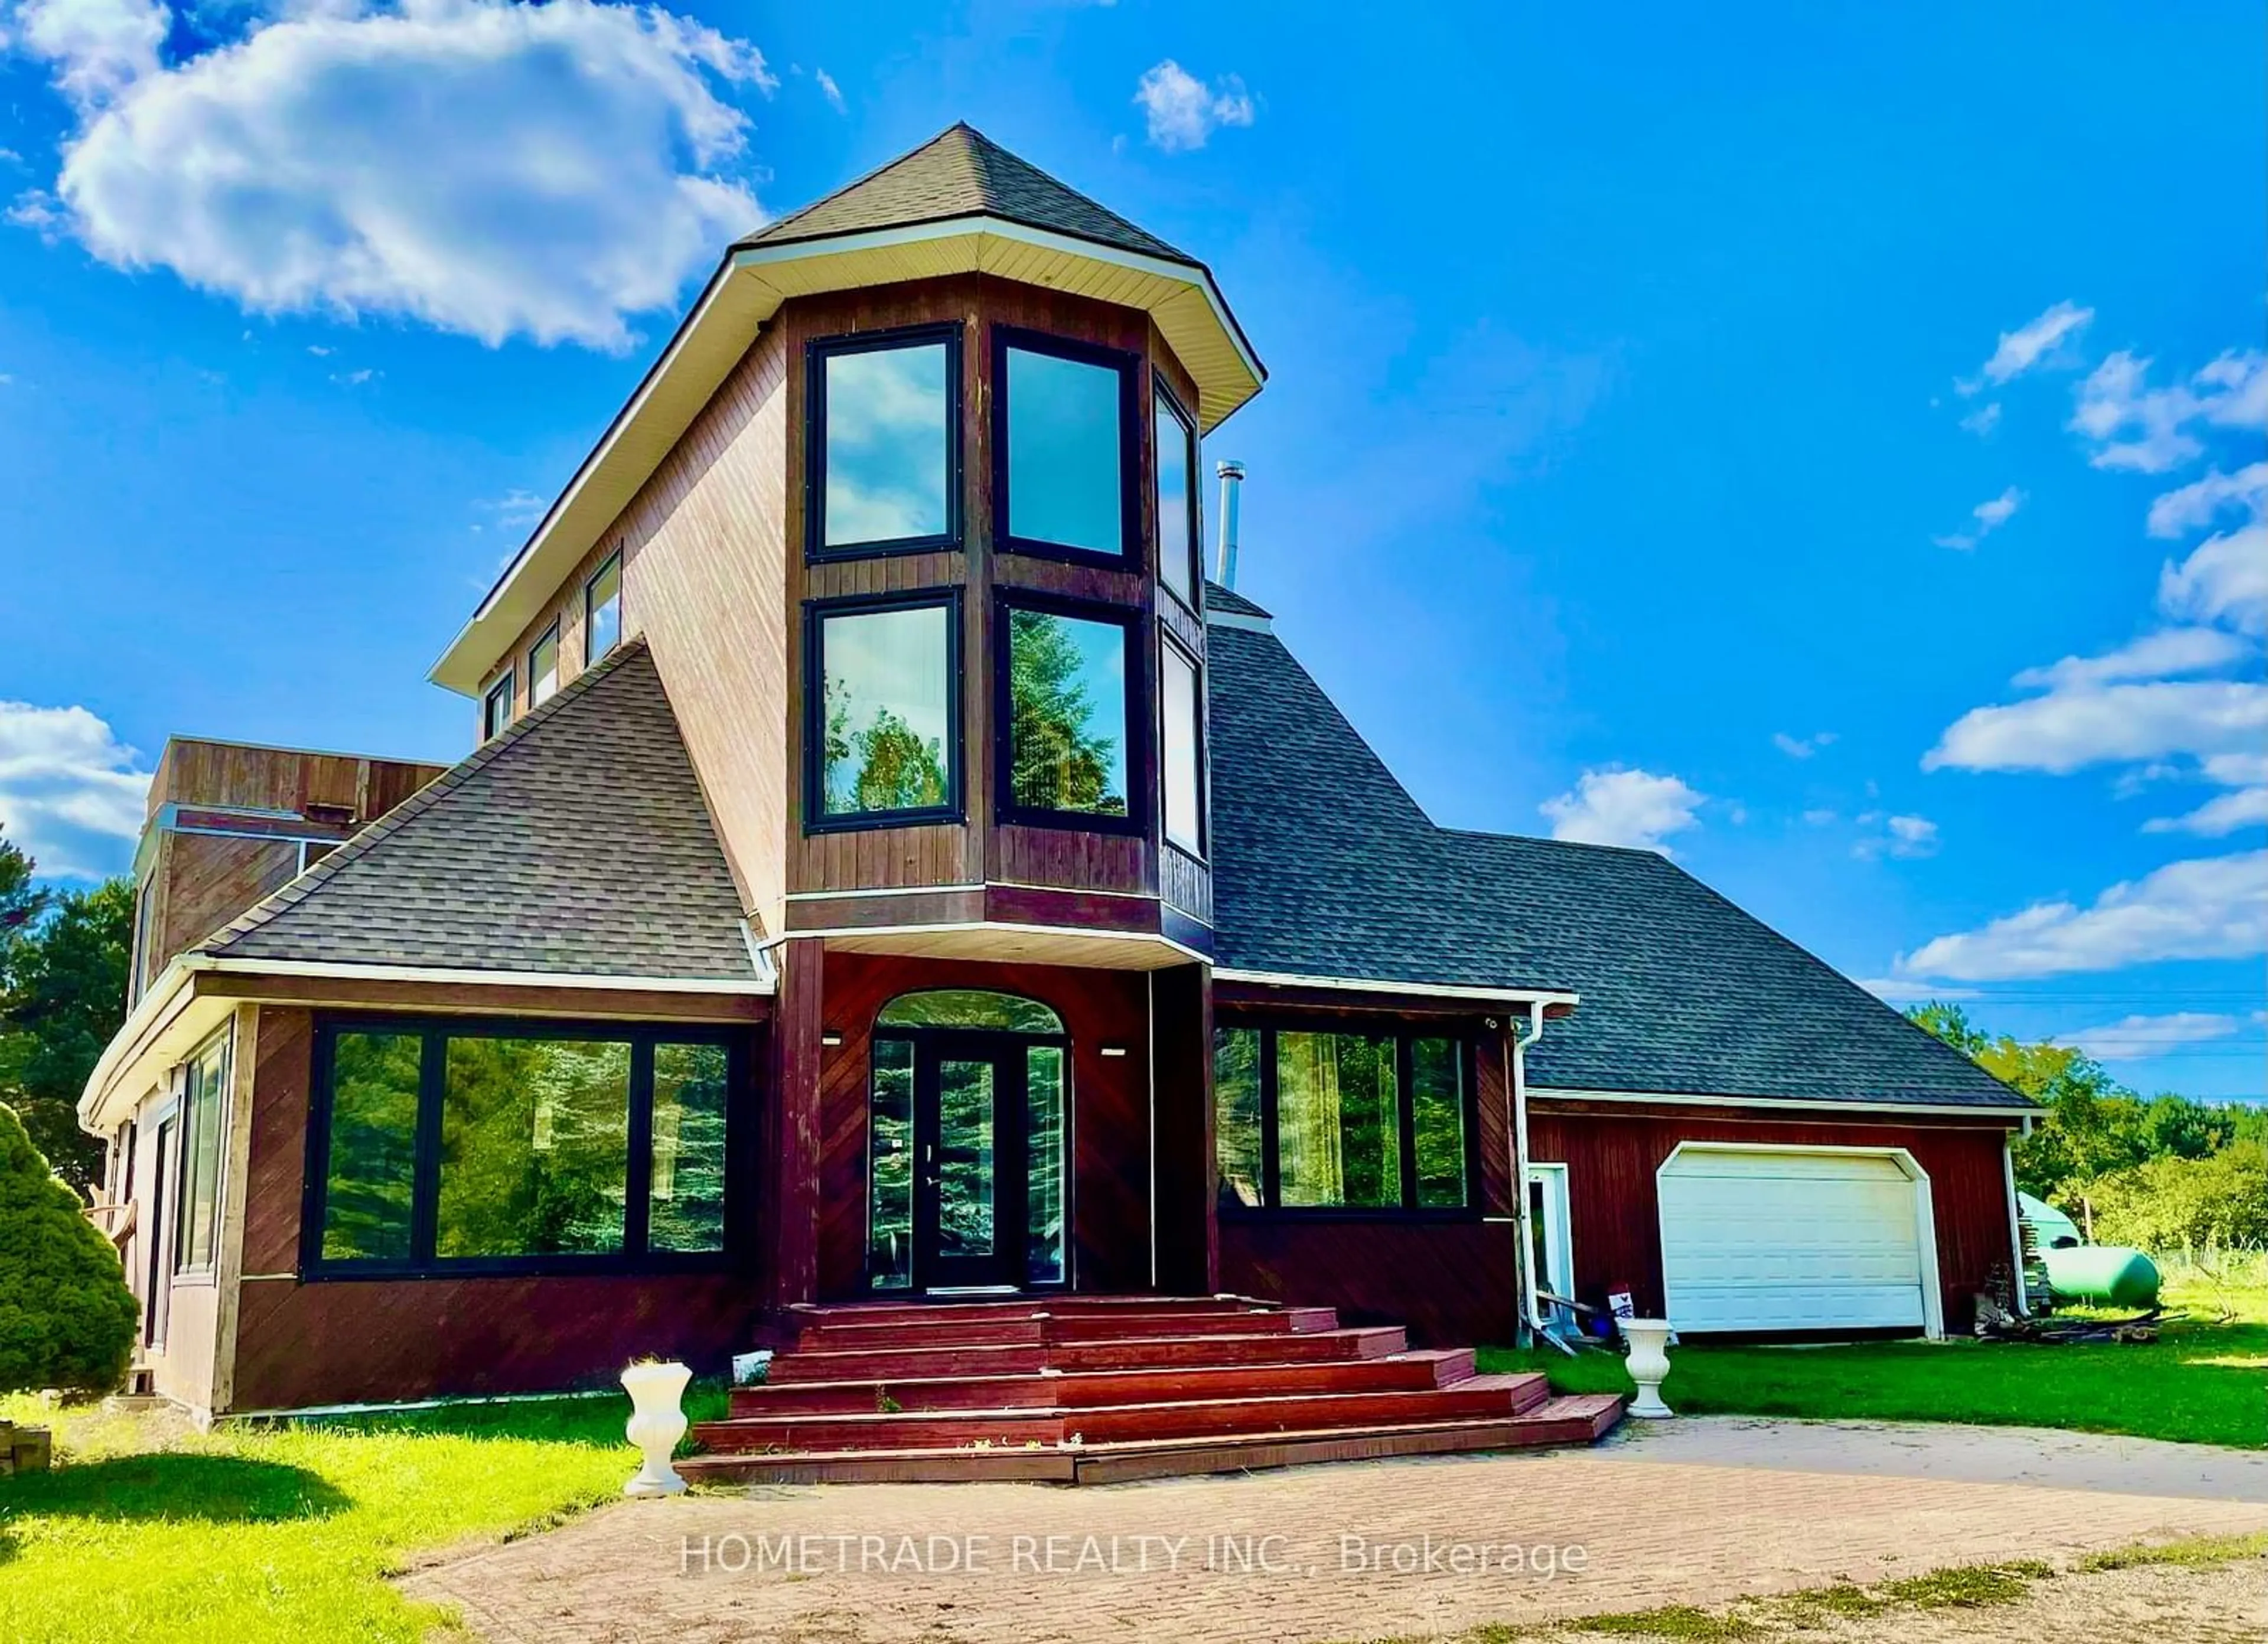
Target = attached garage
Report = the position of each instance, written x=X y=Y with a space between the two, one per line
x=1797 y=1238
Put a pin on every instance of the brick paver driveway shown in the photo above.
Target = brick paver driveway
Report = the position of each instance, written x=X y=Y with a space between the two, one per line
x=1700 y=1512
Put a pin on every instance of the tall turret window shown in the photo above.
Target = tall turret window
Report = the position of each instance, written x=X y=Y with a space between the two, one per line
x=1063 y=450
x=884 y=441
x=1175 y=436
x=882 y=711
x=1066 y=678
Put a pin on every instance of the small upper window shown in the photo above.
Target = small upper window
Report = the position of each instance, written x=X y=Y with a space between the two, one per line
x=884 y=447
x=1067 y=722
x=602 y=611
x=1180 y=765
x=881 y=738
x=543 y=667
x=1062 y=468
x=1176 y=495
x=495 y=709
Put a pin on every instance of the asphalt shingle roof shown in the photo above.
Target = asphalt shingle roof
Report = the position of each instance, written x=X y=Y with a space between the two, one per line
x=576 y=842
x=1323 y=865
x=962 y=172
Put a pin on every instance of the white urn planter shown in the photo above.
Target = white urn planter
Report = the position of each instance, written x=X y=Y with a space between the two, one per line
x=1647 y=1363
x=656 y=1423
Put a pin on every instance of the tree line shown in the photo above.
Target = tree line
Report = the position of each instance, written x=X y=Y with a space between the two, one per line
x=63 y=955
x=2164 y=1172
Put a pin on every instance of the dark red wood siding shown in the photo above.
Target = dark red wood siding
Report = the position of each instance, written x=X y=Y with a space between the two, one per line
x=1109 y=1113
x=1611 y=1152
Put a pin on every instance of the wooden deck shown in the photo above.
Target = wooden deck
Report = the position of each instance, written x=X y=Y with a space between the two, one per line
x=1075 y=1390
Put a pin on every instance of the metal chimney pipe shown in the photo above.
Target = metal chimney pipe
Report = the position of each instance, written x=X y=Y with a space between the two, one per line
x=1232 y=485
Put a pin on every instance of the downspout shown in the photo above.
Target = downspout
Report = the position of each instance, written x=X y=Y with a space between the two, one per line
x=2019 y=1290
x=1531 y=1325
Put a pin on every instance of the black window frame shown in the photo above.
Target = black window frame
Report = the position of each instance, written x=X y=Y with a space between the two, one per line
x=1141 y=759
x=815 y=612
x=425 y=1176
x=1162 y=392
x=815 y=355
x=1202 y=850
x=550 y=637
x=1403 y=1032
x=1133 y=474
x=492 y=726
x=590 y=583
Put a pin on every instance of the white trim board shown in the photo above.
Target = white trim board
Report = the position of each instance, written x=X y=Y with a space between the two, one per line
x=1414 y=990
x=1819 y=1104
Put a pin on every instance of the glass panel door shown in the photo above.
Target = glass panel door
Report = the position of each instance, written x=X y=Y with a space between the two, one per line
x=968 y=1147
x=967 y=1159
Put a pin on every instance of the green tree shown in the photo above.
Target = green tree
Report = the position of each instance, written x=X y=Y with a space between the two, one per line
x=67 y=1319
x=63 y=994
x=2171 y=1202
x=1060 y=763
x=886 y=767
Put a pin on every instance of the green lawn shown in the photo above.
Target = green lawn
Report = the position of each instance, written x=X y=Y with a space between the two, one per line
x=287 y=1533
x=2202 y=1382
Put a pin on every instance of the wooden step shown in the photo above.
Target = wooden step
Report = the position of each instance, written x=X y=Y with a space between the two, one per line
x=1003 y=1327
x=824 y=1313
x=1475 y=1397
x=1109 y=1353
x=1570 y=1419
x=1097 y=1389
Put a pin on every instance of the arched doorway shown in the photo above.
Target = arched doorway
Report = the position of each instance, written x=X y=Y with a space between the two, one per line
x=968 y=1142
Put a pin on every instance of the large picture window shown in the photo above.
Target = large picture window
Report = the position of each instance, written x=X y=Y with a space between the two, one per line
x=1175 y=436
x=1066 y=414
x=1068 y=751
x=1180 y=748
x=1340 y=1121
x=464 y=1147
x=882 y=712
x=884 y=418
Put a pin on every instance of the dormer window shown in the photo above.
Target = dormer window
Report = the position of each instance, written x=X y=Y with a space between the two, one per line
x=602 y=610
x=543 y=667
x=1062 y=448
x=496 y=708
x=1069 y=755
x=884 y=445
x=1175 y=434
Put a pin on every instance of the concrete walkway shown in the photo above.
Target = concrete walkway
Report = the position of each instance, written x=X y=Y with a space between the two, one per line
x=1697 y=1511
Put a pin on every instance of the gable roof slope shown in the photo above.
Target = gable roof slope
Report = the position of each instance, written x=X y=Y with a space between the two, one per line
x=1323 y=865
x=576 y=842
x=962 y=172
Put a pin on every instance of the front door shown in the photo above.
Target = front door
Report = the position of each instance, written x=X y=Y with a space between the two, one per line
x=968 y=1162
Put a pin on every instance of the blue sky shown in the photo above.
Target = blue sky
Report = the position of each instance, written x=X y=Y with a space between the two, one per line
x=1822 y=444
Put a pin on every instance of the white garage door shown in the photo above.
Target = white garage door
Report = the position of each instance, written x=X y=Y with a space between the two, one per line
x=1790 y=1240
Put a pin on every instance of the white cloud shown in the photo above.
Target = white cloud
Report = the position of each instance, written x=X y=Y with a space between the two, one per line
x=482 y=167
x=2163 y=654
x=2217 y=817
x=1984 y=419
x=69 y=790
x=2067 y=729
x=2135 y=426
x=831 y=91
x=1820 y=817
x=1615 y=806
x=1801 y=747
x=2212 y=908
x=2201 y=501
x=1903 y=836
x=2225 y=579
x=1898 y=990
x=1990 y=515
x=1183 y=112
x=2040 y=341
x=2137 y=1038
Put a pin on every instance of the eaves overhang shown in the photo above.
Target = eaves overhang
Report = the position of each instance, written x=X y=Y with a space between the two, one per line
x=747 y=288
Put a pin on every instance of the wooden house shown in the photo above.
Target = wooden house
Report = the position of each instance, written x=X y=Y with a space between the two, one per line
x=901 y=912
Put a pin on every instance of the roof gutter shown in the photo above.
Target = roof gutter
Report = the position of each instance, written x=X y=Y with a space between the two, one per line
x=1547 y=998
